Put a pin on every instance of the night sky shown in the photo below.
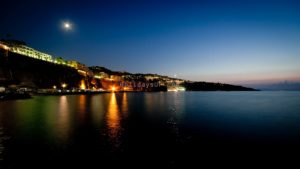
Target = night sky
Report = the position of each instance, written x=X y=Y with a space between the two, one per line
x=239 y=42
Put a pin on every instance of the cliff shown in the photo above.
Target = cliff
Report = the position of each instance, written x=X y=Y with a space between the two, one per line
x=22 y=70
x=16 y=69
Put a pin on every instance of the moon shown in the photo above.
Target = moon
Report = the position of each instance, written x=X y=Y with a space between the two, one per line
x=67 y=25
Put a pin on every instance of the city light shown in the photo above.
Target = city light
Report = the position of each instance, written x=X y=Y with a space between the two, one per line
x=82 y=85
x=54 y=87
x=82 y=72
x=113 y=88
x=176 y=89
x=30 y=52
x=4 y=46
x=181 y=88
x=64 y=85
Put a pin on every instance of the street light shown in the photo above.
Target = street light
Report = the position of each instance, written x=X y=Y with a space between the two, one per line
x=64 y=85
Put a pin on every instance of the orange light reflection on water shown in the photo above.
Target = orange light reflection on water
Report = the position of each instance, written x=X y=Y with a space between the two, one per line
x=82 y=106
x=113 y=118
x=124 y=105
x=114 y=122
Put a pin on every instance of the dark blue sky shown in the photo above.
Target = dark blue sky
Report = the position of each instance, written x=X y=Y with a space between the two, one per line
x=227 y=41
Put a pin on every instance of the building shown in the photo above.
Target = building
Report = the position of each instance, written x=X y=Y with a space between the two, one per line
x=81 y=68
x=151 y=77
x=101 y=75
x=30 y=52
x=115 y=78
x=3 y=46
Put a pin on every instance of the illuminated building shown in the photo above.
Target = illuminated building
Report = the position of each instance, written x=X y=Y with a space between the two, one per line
x=151 y=77
x=116 y=78
x=176 y=89
x=30 y=52
x=82 y=85
x=81 y=68
x=3 y=46
x=101 y=75
x=61 y=61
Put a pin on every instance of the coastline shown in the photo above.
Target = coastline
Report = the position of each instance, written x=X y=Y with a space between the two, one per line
x=30 y=95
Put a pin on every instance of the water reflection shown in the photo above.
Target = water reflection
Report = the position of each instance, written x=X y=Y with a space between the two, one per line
x=35 y=116
x=124 y=105
x=1 y=138
x=1 y=143
x=82 y=106
x=113 y=121
x=97 y=109
x=63 y=119
x=168 y=124
x=176 y=108
x=149 y=102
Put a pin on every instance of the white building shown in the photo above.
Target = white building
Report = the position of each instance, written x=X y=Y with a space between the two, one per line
x=27 y=51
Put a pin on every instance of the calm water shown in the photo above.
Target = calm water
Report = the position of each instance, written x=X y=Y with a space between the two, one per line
x=161 y=128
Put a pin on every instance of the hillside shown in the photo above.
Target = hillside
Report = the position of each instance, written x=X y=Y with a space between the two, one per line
x=206 y=86
x=19 y=70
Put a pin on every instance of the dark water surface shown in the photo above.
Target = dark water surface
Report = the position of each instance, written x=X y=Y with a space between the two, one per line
x=153 y=129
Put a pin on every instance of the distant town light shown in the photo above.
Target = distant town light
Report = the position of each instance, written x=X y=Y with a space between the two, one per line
x=54 y=87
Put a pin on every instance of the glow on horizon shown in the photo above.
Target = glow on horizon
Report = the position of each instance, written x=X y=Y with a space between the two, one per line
x=244 y=79
x=232 y=42
x=247 y=77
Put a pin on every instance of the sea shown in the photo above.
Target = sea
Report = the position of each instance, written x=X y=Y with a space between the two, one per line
x=150 y=129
